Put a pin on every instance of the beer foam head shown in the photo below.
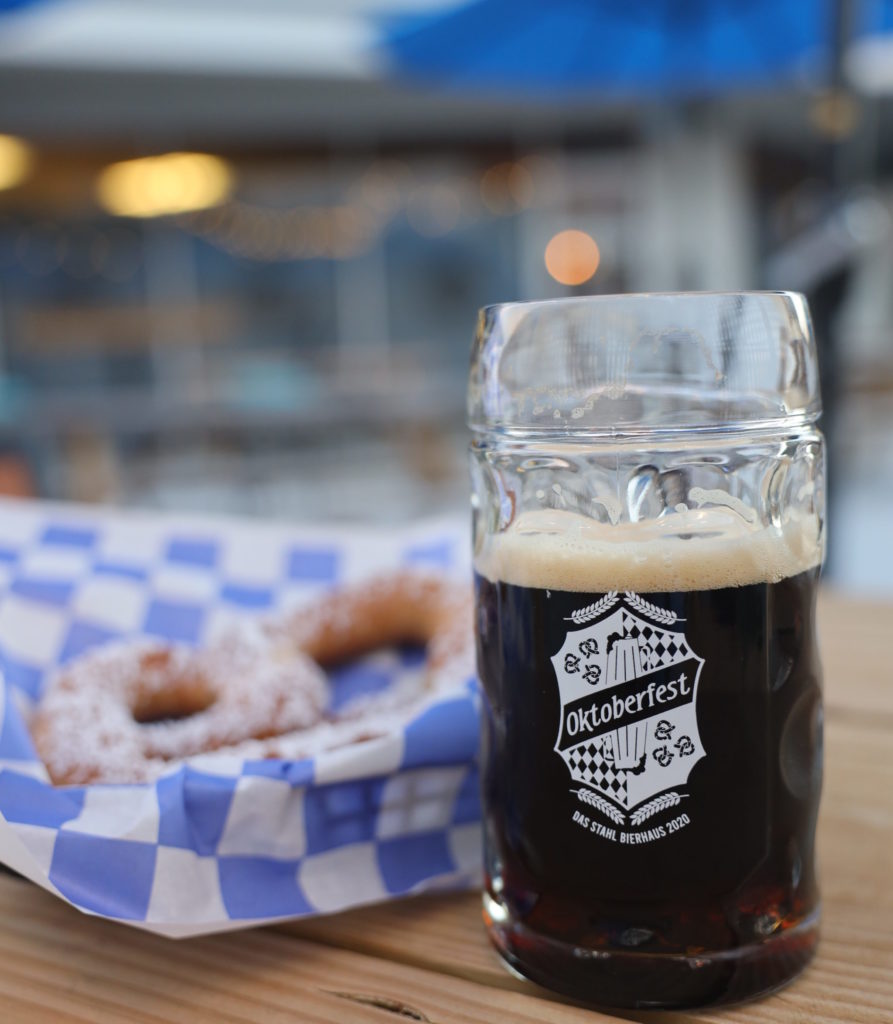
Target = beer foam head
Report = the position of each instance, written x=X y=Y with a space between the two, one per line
x=692 y=549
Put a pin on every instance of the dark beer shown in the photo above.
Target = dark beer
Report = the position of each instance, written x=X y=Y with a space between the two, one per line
x=652 y=769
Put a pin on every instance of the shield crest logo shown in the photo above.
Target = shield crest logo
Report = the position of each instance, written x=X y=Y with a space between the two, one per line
x=628 y=683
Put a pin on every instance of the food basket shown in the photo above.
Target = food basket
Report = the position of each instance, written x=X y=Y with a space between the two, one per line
x=220 y=843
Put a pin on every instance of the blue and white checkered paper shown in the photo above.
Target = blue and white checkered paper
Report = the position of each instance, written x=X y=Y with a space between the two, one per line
x=220 y=844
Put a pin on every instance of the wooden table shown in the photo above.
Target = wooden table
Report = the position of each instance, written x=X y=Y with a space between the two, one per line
x=427 y=959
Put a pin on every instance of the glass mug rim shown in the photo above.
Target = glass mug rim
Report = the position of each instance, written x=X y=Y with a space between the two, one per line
x=612 y=297
x=644 y=364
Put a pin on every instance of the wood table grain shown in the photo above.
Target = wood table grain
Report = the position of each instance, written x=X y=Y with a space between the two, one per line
x=427 y=959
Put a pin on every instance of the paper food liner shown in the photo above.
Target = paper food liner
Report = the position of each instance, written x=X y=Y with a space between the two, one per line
x=221 y=843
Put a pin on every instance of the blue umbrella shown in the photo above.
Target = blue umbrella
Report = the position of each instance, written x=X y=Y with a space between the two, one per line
x=14 y=5
x=616 y=47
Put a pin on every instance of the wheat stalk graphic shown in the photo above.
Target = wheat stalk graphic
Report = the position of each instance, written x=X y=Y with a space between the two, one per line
x=592 y=611
x=661 y=615
x=587 y=796
x=655 y=806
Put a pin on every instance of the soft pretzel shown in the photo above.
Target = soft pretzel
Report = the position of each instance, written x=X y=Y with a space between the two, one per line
x=128 y=711
x=122 y=712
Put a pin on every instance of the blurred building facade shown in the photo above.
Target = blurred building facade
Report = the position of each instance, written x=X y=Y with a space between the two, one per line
x=297 y=344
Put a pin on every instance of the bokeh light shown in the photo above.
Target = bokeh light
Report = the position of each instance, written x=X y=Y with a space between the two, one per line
x=507 y=187
x=520 y=185
x=572 y=257
x=834 y=115
x=495 y=193
x=157 y=186
x=16 y=160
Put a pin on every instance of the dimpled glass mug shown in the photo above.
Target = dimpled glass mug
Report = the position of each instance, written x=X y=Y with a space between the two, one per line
x=648 y=503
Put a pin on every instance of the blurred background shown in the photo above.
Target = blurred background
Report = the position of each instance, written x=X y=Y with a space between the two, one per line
x=242 y=245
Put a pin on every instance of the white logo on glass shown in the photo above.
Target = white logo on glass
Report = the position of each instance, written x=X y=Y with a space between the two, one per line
x=628 y=683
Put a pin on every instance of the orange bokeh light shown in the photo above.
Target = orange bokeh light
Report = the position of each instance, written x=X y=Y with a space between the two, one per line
x=572 y=257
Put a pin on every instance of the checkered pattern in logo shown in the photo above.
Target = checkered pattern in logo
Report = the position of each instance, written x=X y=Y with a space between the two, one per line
x=588 y=763
x=657 y=646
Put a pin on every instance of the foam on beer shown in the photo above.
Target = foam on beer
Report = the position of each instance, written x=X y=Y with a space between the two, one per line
x=689 y=549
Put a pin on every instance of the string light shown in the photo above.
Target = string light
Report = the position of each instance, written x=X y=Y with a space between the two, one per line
x=309 y=232
x=343 y=231
x=197 y=187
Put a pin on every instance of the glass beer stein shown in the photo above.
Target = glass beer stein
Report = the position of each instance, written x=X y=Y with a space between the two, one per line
x=648 y=504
